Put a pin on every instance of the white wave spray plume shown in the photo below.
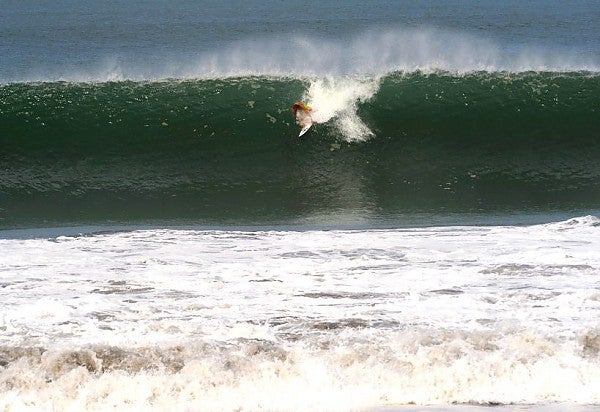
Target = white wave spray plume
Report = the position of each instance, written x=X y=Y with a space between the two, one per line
x=338 y=99
x=368 y=53
x=378 y=52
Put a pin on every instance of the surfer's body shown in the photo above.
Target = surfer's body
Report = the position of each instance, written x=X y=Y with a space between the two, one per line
x=302 y=114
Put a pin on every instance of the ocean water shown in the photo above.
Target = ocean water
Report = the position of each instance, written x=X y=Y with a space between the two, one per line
x=167 y=242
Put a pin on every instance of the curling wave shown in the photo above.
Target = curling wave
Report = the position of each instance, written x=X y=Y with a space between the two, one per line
x=477 y=141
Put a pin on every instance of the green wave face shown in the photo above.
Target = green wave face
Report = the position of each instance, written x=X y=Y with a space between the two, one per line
x=226 y=150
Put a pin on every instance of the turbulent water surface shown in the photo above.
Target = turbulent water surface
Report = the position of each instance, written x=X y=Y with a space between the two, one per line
x=168 y=242
x=317 y=319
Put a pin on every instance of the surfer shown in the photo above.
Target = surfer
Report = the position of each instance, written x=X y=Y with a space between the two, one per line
x=302 y=114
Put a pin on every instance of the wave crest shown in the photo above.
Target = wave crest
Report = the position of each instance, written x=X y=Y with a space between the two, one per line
x=371 y=52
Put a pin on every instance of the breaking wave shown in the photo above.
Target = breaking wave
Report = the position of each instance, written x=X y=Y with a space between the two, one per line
x=474 y=141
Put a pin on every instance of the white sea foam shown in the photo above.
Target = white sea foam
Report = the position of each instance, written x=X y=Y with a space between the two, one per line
x=221 y=320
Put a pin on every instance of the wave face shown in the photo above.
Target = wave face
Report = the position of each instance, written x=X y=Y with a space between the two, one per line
x=226 y=149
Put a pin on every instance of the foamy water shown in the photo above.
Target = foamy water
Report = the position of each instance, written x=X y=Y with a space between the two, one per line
x=219 y=320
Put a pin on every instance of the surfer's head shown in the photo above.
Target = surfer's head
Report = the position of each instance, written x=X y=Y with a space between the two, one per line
x=298 y=105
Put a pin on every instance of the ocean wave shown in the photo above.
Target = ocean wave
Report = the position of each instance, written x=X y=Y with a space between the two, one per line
x=260 y=105
x=477 y=141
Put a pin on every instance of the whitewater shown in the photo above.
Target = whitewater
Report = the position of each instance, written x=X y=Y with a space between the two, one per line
x=335 y=320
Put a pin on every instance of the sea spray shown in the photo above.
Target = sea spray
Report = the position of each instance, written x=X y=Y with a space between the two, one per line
x=338 y=99
x=371 y=52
